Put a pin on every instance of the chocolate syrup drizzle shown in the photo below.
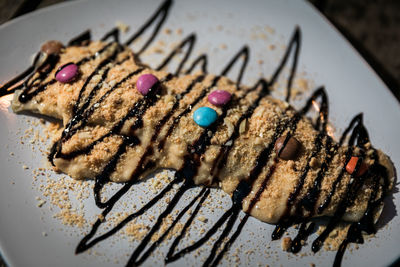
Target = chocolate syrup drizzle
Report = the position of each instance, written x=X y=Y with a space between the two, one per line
x=31 y=81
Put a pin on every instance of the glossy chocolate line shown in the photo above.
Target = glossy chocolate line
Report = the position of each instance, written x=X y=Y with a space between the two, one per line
x=353 y=124
x=231 y=240
x=302 y=235
x=85 y=243
x=162 y=12
x=5 y=89
x=100 y=66
x=202 y=59
x=114 y=34
x=186 y=111
x=190 y=41
x=228 y=227
x=173 y=257
x=133 y=260
x=139 y=110
x=82 y=39
x=169 y=257
x=342 y=248
x=204 y=193
x=11 y=91
x=323 y=115
x=203 y=141
x=214 y=259
x=60 y=68
x=25 y=96
x=335 y=183
x=96 y=54
x=243 y=53
x=122 y=147
x=241 y=191
x=294 y=41
x=308 y=201
x=85 y=107
x=311 y=198
x=149 y=150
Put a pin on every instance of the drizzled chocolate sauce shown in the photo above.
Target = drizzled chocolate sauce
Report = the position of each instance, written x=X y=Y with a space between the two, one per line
x=85 y=106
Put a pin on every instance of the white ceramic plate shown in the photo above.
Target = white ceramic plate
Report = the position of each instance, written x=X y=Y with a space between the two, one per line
x=222 y=28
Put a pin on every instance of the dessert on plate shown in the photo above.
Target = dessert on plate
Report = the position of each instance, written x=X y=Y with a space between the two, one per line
x=104 y=110
x=123 y=120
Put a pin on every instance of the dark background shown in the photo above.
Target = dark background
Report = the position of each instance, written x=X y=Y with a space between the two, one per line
x=371 y=26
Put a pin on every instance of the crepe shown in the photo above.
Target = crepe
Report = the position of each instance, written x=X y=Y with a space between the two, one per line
x=148 y=134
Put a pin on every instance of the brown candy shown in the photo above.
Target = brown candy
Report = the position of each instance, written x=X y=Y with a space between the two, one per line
x=52 y=47
x=290 y=150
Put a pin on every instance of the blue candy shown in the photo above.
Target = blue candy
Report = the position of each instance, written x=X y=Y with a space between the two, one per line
x=205 y=116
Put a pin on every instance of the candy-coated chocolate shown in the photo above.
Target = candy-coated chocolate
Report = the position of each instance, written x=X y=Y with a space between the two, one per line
x=290 y=150
x=145 y=82
x=351 y=166
x=67 y=73
x=52 y=47
x=219 y=97
x=205 y=116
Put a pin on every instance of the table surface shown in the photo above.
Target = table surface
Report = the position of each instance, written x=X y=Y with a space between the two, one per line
x=372 y=26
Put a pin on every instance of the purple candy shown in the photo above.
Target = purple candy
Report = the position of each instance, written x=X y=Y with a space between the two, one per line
x=145 y=83
x=219 y=97
x=67 y=73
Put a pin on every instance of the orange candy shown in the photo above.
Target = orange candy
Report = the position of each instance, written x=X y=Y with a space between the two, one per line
x=350 y=167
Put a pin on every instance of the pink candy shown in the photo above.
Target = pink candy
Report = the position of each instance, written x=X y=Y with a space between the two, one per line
x=145 y=83
x=67 y=73
x=219 y=97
